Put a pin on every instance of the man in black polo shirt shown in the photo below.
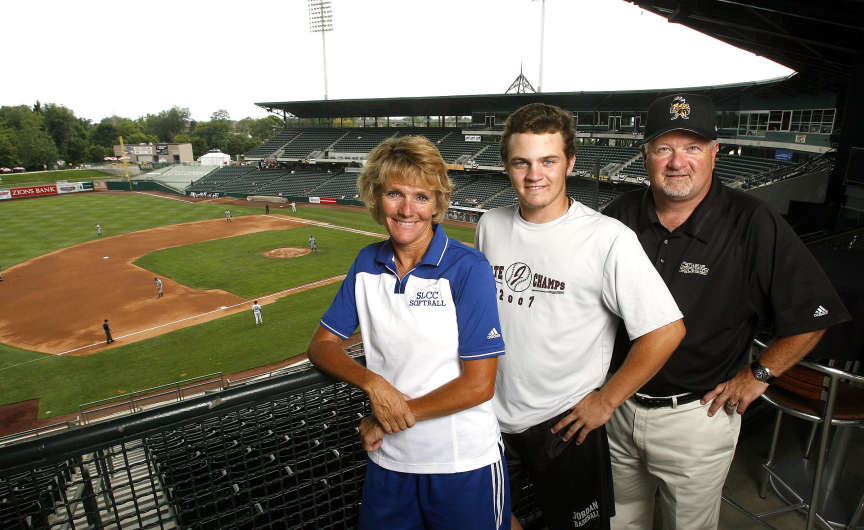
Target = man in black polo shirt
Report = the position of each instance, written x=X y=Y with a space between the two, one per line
x=733 y=266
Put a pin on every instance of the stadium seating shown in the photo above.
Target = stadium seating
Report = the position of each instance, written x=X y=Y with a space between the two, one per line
x=362 y=140
x=271 y=146
x=272 y=466
x=587 y=156
x=343 y=185
x=731 y=168
x=309 y=141
x=453 y=147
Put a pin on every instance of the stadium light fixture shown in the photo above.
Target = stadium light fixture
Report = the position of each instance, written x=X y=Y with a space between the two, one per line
x=321 y=21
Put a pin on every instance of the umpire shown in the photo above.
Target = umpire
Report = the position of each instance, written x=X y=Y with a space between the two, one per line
x=734 y=267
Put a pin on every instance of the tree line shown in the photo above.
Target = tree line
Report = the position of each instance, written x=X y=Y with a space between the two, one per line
x=38 y=137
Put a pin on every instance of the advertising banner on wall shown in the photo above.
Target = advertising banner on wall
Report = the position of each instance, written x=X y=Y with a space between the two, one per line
x=322 y=200
x=100 y=185
x=73 y=187
x=33 y=191
x=5 y=194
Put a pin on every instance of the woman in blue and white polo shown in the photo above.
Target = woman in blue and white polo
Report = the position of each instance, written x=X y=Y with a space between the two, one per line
x=426 y=308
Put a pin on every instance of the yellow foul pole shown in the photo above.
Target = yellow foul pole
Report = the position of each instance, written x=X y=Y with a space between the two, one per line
x=125 y=167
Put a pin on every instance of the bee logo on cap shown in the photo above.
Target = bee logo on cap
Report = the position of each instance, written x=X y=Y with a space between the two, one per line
x=679 y=108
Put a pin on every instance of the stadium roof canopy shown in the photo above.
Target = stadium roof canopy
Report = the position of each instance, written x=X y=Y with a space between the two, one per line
x=821 y=40
x=726 y=97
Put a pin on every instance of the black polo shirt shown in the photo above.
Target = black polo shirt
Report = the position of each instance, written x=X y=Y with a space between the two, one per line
x=734 y=267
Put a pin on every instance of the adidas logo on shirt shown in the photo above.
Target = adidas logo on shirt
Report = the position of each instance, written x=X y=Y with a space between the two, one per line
x=493 y=334
x=820 y=312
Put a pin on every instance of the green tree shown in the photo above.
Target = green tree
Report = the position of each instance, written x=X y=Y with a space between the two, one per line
x=220 y=115
x=8 y=149
x=167 y=124
x=36 y=150
x=97 y=153
x=105 y=134
x=213 y=134
x=67 y=131
x=33 y=147
x=261 y=129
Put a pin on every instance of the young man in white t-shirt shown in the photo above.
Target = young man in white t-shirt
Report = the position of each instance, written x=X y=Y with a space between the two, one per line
x=565 y=276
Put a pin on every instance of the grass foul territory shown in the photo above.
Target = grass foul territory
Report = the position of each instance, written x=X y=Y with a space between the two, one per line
x=14 y=180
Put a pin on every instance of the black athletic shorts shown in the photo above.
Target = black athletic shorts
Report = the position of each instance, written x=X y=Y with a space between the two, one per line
x=572 y=483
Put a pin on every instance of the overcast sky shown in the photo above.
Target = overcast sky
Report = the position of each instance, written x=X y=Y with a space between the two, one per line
x=104 y=57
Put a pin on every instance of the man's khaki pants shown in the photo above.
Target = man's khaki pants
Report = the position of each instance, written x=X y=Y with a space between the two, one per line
x=678 y=454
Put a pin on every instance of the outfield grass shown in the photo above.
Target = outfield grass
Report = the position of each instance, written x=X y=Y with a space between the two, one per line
x=13 y=180
x=32 y=227
x=229 y=345
x=360 y=218
x=35 y=226
x=238 y=264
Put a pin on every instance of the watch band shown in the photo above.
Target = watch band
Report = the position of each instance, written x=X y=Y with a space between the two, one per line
x=761 y=373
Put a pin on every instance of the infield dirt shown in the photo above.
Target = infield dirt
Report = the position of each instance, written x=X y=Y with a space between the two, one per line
x=57 y=302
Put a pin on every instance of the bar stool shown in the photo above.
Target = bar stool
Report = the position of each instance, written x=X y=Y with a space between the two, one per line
x=822 y=395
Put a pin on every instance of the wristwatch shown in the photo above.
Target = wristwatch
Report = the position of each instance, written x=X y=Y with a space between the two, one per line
x=761 y=373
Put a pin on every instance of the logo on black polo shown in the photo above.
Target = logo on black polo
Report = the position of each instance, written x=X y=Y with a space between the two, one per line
x=693 y=268
x=518 y=277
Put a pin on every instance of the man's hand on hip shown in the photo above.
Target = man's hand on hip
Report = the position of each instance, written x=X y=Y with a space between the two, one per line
x=735 y=394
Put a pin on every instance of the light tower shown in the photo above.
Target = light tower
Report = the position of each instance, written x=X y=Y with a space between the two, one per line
x=321 y=21
x=542 y=32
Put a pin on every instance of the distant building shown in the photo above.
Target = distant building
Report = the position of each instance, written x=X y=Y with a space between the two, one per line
x=215 y=157
x=171 y=153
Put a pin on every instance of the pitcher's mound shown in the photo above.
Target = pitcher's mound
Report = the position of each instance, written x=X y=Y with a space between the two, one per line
x=288 y=252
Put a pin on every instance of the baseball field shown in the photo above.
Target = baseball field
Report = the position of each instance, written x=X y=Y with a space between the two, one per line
x=60 y=282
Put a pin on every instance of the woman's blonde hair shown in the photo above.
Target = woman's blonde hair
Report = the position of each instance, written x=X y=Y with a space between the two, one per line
x=412 y=160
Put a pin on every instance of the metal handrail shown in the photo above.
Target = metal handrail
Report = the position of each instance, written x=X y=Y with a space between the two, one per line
x=129 y=399
x=87 y=437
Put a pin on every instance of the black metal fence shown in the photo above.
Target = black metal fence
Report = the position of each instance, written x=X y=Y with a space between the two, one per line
x=279 y=453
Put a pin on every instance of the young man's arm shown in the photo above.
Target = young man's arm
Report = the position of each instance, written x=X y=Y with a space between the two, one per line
x=647 y=355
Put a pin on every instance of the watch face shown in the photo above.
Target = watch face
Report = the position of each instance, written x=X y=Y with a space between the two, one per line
x=761 y=373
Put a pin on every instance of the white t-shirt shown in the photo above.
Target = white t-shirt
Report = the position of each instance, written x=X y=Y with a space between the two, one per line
x=562 y=287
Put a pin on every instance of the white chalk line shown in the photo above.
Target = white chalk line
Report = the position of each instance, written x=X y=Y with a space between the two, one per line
x=164 y=197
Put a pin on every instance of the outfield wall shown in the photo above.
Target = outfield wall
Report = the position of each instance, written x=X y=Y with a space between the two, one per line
x=42 y=190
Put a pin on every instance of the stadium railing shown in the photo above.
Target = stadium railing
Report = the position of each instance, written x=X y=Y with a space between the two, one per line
x=134 y=401
x=282 y=452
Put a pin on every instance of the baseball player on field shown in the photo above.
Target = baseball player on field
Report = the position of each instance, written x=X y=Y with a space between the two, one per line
x=158 y=287
x=313 y=244
x=256 y=310
x=98 y=230
x=227 y=216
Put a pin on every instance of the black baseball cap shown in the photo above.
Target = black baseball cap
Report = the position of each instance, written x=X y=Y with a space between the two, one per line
x=681 y=112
